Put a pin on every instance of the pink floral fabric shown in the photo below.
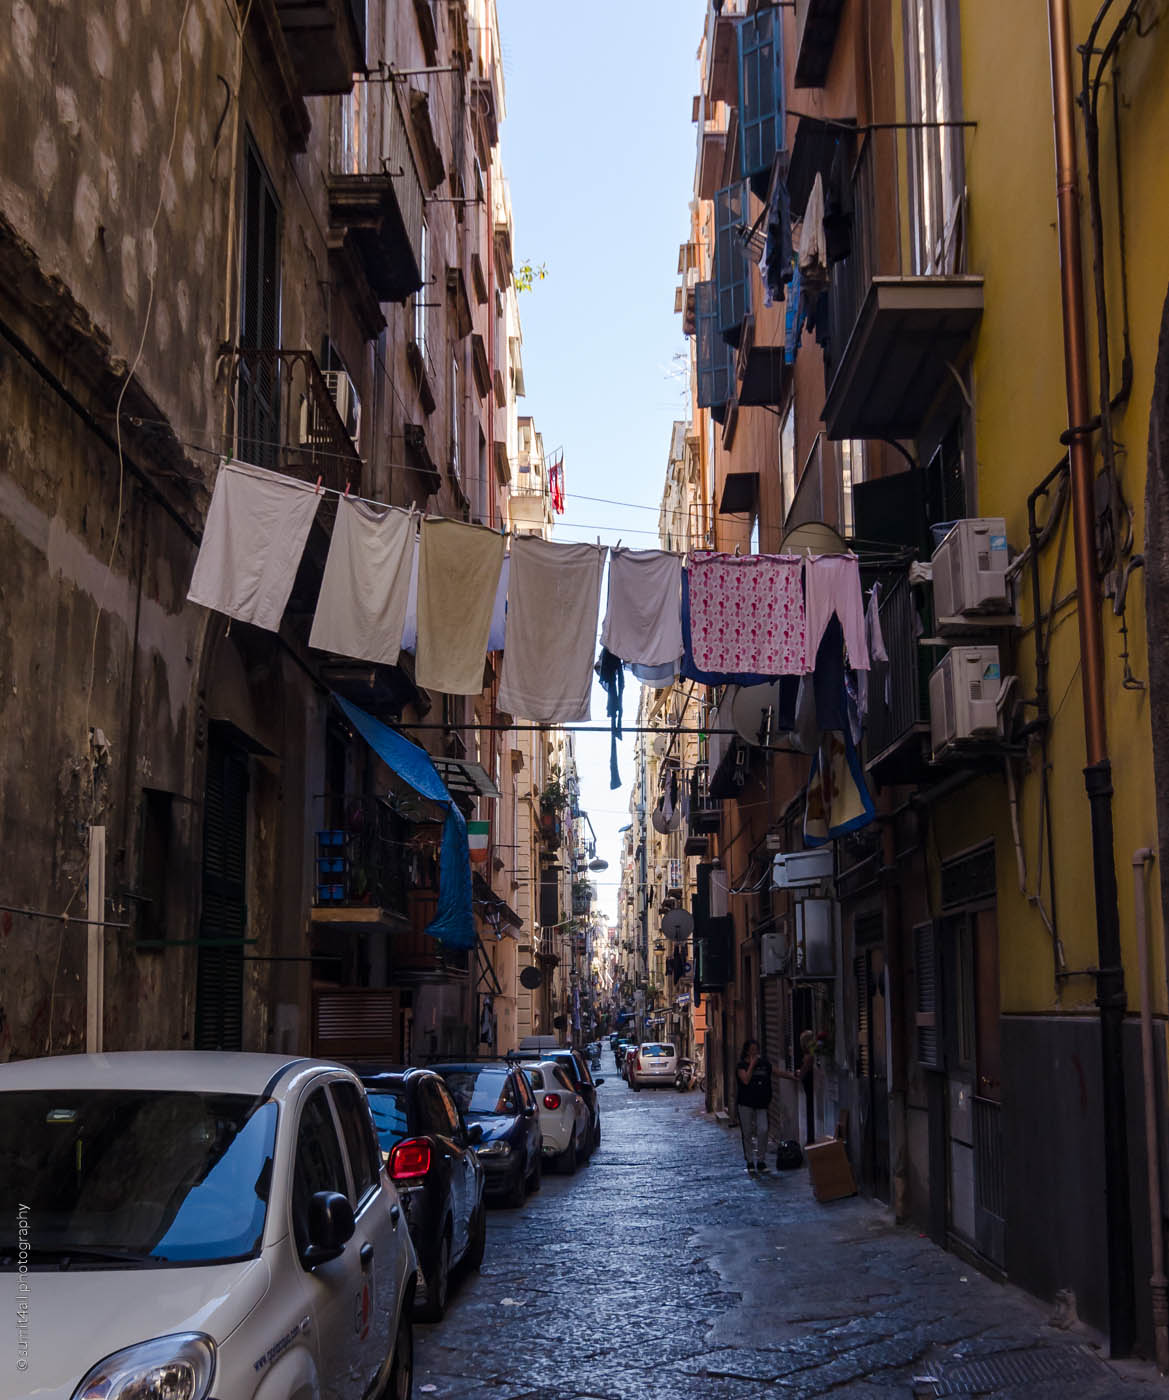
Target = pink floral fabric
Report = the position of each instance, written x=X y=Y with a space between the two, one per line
x=747 y=613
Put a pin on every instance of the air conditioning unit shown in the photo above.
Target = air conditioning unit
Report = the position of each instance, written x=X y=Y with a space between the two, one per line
x=794 y=870
x=964 y=692
x=774 y=954
x=313 y=432
x=970 y=570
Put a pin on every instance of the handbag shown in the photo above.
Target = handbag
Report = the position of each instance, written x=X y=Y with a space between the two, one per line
x=788 y=1155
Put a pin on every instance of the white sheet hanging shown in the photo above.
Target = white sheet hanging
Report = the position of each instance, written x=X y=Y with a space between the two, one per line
x=643 y=614
x=361 y=610
x=554 y=596
x=253 y=540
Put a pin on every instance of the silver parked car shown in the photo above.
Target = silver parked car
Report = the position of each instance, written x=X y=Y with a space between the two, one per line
x=655 y=1062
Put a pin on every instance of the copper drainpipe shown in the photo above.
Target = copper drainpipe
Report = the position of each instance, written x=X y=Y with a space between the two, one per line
x=1158 y=1283
x=1110 y=993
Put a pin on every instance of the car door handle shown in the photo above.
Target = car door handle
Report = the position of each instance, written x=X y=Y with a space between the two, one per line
x=395 y=1214
x=366 y=1255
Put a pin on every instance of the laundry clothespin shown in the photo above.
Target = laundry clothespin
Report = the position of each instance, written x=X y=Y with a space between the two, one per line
x=319 y=480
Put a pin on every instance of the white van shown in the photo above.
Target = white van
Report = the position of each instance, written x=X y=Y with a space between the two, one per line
x=655 y=1062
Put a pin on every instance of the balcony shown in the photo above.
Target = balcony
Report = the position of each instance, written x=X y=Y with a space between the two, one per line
x=283 y=392
x=325 y=41
x=722 y=52
x=897 y=735
x=530 y=507
x=816 y=24
x=712 y=150
x=375 y=194
x=365 y=868
x=705 y=817
x=895 y=338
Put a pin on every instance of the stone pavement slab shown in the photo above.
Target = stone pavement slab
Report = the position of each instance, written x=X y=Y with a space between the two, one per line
x=663 y=1271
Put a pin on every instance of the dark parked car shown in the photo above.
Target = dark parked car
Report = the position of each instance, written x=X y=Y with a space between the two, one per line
x=430 y=1155
x=495 y=1097
x=582 y=1081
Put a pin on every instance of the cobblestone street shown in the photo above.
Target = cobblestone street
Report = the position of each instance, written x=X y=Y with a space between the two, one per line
x=662 y=1270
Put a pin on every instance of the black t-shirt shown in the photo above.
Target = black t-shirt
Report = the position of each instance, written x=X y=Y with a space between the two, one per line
x=756 y=1093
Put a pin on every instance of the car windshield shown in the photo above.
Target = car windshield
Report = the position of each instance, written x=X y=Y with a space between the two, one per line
x=654 y=1049
x=134 y=1176
x=535 y=1077
x=389 y=1118
x=481 y=1091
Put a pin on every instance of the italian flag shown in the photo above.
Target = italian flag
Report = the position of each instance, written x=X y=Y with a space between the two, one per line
x=478 y=834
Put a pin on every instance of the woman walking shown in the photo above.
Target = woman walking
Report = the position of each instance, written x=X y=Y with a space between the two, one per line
x=754 y=1095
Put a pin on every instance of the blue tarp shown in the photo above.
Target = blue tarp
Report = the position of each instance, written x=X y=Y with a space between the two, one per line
x=452 y=924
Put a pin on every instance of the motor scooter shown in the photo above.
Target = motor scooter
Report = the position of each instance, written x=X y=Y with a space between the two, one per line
x=684 y=1076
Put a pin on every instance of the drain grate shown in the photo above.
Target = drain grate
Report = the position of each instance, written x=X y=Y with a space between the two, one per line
x=1007 y=1368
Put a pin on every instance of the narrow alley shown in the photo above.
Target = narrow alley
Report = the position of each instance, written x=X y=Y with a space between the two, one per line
x=662 y=1270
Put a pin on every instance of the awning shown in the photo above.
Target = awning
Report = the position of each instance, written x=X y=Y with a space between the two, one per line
x=452 y=924
x=494 y=906
x=464 y=778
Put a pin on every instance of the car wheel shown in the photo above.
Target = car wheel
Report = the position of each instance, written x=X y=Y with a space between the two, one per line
x=535 y=1176
x=635 y=1086
x=585 y=1151
x=400 y=1382
x=478 y=1241
x=566 y=1161
x=438 y=1280
x=597 y=1135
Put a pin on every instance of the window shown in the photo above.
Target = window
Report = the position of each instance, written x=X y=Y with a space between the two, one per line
x=454 y=1124
x=364 y=1158
x=732 y=275
x=716 y=359
x=421 y=307
x=852 y=471
x=319 y=1164
x=936 y=165
x=761 y=122
x=484 y=513
x=562 y=1078
x=535 y=1078
x=390 y=1119
x=258 y=390
x=787 y=458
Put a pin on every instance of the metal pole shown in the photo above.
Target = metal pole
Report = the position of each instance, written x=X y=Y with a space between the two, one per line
x=1110 y=993
x=95 y=952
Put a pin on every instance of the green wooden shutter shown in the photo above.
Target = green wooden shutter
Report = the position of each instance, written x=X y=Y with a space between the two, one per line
x=715 y=357
x=761 y=95
x=732 y=270
x=928 y=1040
x=219 y=977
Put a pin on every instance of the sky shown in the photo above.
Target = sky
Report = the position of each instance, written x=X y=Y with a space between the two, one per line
x=598 y=149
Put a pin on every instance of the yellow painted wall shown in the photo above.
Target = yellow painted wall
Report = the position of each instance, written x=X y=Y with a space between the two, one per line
x=1020 y=411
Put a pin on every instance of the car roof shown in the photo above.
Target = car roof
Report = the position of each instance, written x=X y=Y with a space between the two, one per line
x=469 y=1065
x=192 y=1071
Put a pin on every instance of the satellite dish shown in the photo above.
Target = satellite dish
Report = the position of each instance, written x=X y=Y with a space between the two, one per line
x=531 y=977
x=814 y=537
x=664 y=824
x=677 y=925
x=749 y=710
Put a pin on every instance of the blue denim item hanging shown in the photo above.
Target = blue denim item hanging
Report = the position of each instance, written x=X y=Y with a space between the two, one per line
x=611 y=674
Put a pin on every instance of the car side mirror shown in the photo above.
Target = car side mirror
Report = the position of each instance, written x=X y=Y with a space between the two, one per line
x=599 y=1081
x=330 y=1226
x=529 y=1111
x=475 y=1133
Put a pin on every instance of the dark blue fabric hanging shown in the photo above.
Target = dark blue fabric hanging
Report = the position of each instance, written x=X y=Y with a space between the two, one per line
x=611 y=674
x=452 y=924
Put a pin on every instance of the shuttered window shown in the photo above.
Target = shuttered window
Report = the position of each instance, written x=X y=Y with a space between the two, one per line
x=732 y=273
x=761 y=98
x=860 y=968
x=258 y=408
x=219 y=976
x=927 y=1027
x=716 y=359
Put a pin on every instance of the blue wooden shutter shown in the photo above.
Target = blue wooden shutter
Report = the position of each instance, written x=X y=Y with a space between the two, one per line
x=715 y=356
x=761 y=96
x=732 y=274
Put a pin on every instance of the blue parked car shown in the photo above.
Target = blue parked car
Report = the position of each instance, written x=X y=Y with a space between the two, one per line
x=495 y=1095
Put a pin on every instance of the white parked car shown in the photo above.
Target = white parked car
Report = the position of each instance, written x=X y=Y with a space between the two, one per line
x=655 y=1062
x=187 y=1224
x=565 y=1120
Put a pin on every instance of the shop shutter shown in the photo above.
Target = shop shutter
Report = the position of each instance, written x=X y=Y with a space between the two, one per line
x=732 y=270
x=219 y=974
x=761 y=95
x=716 y=359
x=927 y=1021
x=860 y=969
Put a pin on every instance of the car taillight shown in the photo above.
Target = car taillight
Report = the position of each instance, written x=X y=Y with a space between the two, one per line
x=551 y=1100
x=409 y=1159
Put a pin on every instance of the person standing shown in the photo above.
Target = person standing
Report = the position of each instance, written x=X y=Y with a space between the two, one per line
x=804 y=1076
x=753 y=1073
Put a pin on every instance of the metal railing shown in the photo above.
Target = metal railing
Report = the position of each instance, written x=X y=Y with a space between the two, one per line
x=990 y=1177
x=286 y=418
x=364 y=856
